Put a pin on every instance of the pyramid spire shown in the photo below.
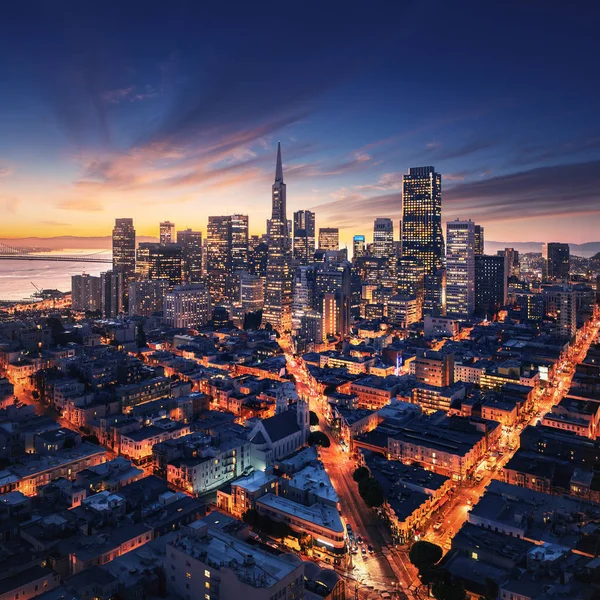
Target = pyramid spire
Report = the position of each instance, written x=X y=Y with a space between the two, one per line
x=279 y=167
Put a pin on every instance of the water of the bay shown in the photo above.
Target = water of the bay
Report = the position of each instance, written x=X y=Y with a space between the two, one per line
x=18 y=276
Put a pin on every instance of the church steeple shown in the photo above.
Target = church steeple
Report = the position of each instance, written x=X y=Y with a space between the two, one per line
x=279 y=167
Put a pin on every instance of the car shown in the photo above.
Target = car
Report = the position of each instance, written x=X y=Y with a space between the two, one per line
x=348 y=527
x=359 y=540
x=437 y=526
x=363 y=550
x=370 y=549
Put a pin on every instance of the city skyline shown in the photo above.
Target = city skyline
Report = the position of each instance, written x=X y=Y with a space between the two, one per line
x=166 y=127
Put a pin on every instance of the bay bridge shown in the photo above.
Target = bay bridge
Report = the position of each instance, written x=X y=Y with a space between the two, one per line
x=14 y=253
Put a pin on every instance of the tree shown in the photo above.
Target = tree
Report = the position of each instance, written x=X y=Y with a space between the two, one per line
x=370 y=491
x=314 y=420
x=251 y=517
x=360 y=473
x=445 y=588
x=35 y=394
x=424 y=555
x=318 y=438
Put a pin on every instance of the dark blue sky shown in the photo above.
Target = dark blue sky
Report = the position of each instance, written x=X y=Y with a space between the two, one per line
x=172 y=110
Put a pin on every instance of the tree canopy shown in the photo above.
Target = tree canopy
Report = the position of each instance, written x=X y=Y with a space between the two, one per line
x=370 y=491
x=318 y=438
x=360 y=473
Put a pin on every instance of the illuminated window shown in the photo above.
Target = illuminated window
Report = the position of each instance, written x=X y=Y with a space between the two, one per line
x=207 y=574
x=188 y=575
x=207 y=585
x=474 y=555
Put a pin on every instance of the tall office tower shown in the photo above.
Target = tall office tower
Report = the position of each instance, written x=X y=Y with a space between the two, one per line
x=358 y=246
x=512 y=261
x=253 y=242
x=252 y=292
x=555 y=261
x=157 y=261
x=218 y=256
x=304 y=292
x=86 y=292
x=239 y=242
x=146 y=297
x=191 y=247
x=278 y=285
x=123 y=248
x=335 y=283
x=112 y=291
x=257 y=262
x=383 y=238
x=329 y=238
x=310 y=332
x=434 y=368
x=433 y=293
x=411 y=277
x=187 y=306
x=479 y=240
x=167 y=232
x=491 y=284
x=460 y=269
x=304 y=236
x=422 y=237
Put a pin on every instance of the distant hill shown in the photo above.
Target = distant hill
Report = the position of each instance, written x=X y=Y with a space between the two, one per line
x=586 y=250
x=68 y=242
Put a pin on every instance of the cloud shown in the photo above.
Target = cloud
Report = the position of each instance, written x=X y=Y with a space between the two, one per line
x=55 y=223
x=80 y=204
x=566 y=190
x=9 y=203
x=6 y=170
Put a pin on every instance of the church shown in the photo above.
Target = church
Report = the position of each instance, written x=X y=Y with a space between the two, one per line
x=280 y=435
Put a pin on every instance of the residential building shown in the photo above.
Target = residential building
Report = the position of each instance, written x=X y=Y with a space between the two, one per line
x=212 y=564
x=86 y=293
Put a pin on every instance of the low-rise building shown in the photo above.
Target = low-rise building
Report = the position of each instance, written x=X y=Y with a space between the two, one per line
x=212 y=564
x=241 y=495
x=321 y=521
x=137 y=445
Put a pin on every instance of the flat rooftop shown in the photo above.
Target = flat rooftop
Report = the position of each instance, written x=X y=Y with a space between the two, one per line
x=251 y=565
x=319 y=514
x=314 y=478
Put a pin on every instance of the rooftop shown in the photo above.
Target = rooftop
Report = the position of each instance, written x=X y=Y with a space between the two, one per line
x=319 y=514
x=220 y=550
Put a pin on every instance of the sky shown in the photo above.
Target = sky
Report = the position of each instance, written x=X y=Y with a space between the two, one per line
x=173 y=110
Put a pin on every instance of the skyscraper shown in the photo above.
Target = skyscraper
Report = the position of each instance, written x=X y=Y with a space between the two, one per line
x=512 y=261
x=167 y=232
x=218 y=256
x=85 y=292
x=146 y=296
x=383 y=238
x=422 y=237
x=460 y=269
x=278 y=286
x=329 y=238
x=555 y=261
x=479 y=240
x=157 y=261
x=112 y=291
x=490 y=284
x=239 y=242
x=123 y=248
x=358 y=246
x=191 y=244
x=304 y=236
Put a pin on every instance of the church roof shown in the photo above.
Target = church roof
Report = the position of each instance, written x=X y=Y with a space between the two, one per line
x=282 y=425
x=259 y=438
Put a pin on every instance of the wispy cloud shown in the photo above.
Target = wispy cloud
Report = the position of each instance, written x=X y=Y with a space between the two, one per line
x=566 y=190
